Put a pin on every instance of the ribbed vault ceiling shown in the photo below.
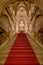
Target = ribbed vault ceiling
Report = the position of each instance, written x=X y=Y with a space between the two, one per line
x=4 y=3
x=17 y=4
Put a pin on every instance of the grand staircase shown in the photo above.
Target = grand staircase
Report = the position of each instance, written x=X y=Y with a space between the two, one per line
x=21 y=52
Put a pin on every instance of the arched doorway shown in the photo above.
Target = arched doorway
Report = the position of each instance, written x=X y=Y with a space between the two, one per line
x=21 y=20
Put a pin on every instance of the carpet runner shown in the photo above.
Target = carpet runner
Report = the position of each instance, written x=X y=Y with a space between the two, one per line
x=22 y=52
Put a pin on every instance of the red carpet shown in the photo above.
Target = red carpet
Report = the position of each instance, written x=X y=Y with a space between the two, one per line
x=22 y=52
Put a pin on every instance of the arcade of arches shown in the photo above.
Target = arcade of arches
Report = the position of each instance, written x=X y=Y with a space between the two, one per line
x=21 y=16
